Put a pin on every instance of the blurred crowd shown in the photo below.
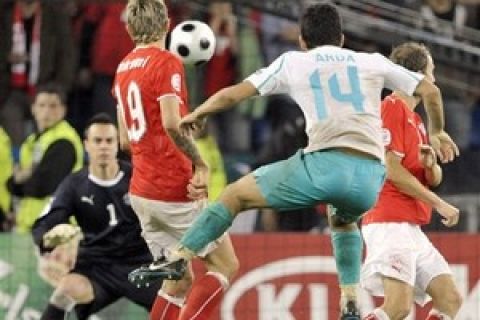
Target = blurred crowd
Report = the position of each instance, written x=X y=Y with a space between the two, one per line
x=75 y=46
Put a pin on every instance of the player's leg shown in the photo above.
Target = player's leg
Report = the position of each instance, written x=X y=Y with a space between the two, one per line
x=398 y=300
x=207 y=291
x=390 y=266
x=162 y=225
x=446 y=298
x=268 y=186
x=73 y=289
x=347 y=246
x=434 y=277
x=214 y=220
x=170 y=298
x=352 y=196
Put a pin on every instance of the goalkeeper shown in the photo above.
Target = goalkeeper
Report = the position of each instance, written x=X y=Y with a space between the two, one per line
x=108 y=233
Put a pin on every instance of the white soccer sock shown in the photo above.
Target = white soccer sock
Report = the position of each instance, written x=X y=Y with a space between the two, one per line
x=441 y=315
x=222 y=278
x=380 y=314
x=178 y=301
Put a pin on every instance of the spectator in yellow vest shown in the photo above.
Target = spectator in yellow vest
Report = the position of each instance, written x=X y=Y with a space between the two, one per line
x=209 y=151
x=6 y=163
x=46 y=157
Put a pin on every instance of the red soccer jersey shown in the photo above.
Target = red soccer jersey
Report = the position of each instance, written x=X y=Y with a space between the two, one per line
x=160 y=170
x=404 y=131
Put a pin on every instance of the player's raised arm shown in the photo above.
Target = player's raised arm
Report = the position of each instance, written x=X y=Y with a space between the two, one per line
x=266 y=81
x=441 y=142
x=220 y=101
x=415 y=84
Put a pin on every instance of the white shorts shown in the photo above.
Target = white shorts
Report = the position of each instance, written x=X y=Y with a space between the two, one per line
x=400 y=251
x=164 y=223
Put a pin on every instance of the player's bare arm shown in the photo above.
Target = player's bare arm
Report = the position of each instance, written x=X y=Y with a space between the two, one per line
x=433 y=172
x=409 y=185
x=220 y=101
x=441 y=142
x=122 y=132
x=170 y=110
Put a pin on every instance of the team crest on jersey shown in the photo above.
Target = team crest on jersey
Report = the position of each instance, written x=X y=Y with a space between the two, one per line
x=126 y=199
x=176 y=82
x=386 y=136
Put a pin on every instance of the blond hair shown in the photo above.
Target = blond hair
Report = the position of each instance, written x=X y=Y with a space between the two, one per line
x=147 y=20
x=411 y=55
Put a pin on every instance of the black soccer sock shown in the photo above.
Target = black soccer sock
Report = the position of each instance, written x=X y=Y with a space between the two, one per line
x=53 y=313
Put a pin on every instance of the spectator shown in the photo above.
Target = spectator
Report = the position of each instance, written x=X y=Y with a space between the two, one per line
x=36 y=47
x=46 y=156
x=221 y=70
x=109 y=44
x=279 y=35
x=6 y=163
x=448 y=10
x=208 y=149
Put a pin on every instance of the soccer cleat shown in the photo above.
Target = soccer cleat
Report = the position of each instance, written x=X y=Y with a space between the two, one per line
x=160 y=269
x=350 y=311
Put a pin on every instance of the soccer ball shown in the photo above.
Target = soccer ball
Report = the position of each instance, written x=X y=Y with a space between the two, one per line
x=193 y=41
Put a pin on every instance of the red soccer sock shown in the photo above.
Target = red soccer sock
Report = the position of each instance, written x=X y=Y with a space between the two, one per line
x=164 y=308
x=206 y=294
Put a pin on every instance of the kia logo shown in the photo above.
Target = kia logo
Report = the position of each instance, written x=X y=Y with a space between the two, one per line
x=271 y=271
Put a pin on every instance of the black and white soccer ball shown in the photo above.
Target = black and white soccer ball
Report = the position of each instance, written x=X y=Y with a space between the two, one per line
x=193 y=41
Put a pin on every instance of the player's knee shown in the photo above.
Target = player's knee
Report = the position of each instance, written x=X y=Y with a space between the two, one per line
x=80 y=290
x=338 y=223
x=397 y=308
x=232 y=195
x=399 y=313
x=450 y=301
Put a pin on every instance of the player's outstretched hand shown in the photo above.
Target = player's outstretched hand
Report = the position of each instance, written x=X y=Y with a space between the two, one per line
x=191 y=122
x=449 y=213
x=198 y=187
x=444 y=146
x=60 y=234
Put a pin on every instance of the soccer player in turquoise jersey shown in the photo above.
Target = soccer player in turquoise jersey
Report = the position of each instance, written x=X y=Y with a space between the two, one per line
x=339 y=92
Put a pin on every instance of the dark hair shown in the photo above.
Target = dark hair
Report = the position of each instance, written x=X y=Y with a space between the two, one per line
x=411 y=55
x=99 y=118
x=52 y=88
x=320 y=25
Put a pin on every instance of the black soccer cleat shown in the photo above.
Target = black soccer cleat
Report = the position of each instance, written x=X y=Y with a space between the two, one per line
x=350 y=311
x=158 y=270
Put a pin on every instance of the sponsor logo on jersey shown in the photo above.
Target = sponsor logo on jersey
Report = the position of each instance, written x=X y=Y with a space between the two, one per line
x=88 y=200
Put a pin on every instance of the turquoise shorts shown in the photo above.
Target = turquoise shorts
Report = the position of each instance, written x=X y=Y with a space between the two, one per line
x=350 y=183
